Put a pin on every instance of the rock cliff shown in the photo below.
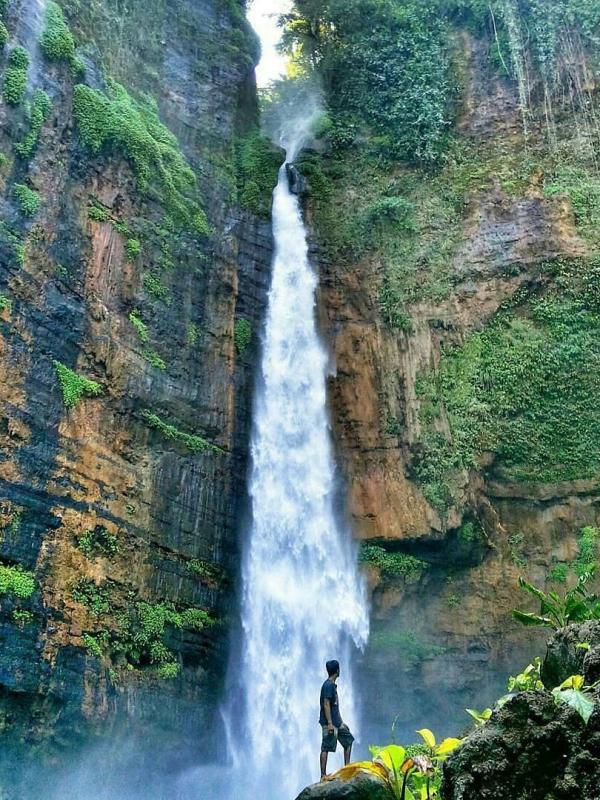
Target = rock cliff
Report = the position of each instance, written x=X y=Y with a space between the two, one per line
x=132 y=283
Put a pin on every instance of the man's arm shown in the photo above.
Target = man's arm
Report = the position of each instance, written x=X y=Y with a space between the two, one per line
x=327 y=710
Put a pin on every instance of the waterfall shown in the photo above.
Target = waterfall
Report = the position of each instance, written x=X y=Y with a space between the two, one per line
x=303 y=599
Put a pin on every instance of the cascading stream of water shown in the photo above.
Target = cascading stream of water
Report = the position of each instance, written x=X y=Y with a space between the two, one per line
x=303 y=599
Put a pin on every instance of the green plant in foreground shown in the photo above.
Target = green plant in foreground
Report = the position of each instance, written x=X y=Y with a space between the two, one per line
x=193 y=442
x=16 y=581
x=481 y=717
x=576 y=695
x=529 y=680
x=242 y=335
x=28 y=200
x=39 y=110
x=15 y=76
x=74 y=386
x=56 y=41
x=577 y=605
x=140 y=327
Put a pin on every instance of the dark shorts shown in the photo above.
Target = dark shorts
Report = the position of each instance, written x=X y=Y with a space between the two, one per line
x=330 y=740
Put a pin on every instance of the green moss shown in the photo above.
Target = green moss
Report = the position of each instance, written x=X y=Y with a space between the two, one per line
x=74 y=386
x=524 y=389
x=56 y=41
x=94 y=597
x=28 y=200
x=16 y=582
x=39 y=110
x=98 y=542
x=154 y=286
x=153 y=358
x=257 y=164
x=193 y=442
x=140 y=327
x=5 y=303
x=3 y=34
x=242 y=335
x=15 y=76
x=132 y=248
x=119 y=124
x=391 y=565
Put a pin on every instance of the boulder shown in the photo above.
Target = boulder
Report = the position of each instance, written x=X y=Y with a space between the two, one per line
x=532 y=748
x=565 y=658
x=361 y=781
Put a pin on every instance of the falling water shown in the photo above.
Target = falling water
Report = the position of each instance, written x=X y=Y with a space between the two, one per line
x=303 y=600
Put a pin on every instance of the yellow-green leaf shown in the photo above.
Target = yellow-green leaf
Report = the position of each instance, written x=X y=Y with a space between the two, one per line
x=574 y=682
x=427 y=737
x=447 y=746
x=392 y=756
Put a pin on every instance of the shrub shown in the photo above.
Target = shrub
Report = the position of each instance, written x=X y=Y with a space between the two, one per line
x=257 y=164
x=98 y=542
x=97 y=212
x=154 y=286
x=242 y=335
x=16 y=581
x=5 y=303
x=3 y=34
x=92 y=596
x=140 y=327
x=15 y=76
x=117 y=123
x=391 y=565
x=56 y=41
x=74 y=386
x=192 y=334
x=133 y=248
x=28 y=200
x=92 y=645
x=40 y=108
x=22 y=618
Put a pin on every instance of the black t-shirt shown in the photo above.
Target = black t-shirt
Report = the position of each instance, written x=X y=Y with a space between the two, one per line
x=329 y=692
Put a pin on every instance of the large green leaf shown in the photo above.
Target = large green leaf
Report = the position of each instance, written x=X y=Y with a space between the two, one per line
x=578 y=700
x=525 y=618
x=393 y=756
x=427 y=737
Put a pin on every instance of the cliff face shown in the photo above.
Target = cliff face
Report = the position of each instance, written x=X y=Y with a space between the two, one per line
x=138 y=269
x=496 y=233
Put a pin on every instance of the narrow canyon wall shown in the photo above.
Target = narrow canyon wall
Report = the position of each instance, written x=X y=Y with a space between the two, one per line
x=119 y=497
x=442 y=636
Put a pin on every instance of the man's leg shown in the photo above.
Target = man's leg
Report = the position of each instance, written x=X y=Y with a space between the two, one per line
x=346 y=740
x=324 y=755
x=347 y=754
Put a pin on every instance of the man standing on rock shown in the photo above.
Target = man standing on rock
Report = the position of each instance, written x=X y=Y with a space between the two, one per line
x=334 y=729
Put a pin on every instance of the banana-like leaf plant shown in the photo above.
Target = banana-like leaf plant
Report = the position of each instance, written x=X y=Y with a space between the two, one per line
x=577 y=605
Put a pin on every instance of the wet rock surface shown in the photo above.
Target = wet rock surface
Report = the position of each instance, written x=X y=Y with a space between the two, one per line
x=349 y=784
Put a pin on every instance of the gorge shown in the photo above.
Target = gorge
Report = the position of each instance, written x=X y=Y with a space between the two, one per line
x=162 y=403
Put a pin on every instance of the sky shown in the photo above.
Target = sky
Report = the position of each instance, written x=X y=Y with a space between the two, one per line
x=263 y=18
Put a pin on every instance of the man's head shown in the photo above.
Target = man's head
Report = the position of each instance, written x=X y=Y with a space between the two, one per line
x=333 y=668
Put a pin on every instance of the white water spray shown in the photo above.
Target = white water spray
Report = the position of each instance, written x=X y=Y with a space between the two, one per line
x=303 y=599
